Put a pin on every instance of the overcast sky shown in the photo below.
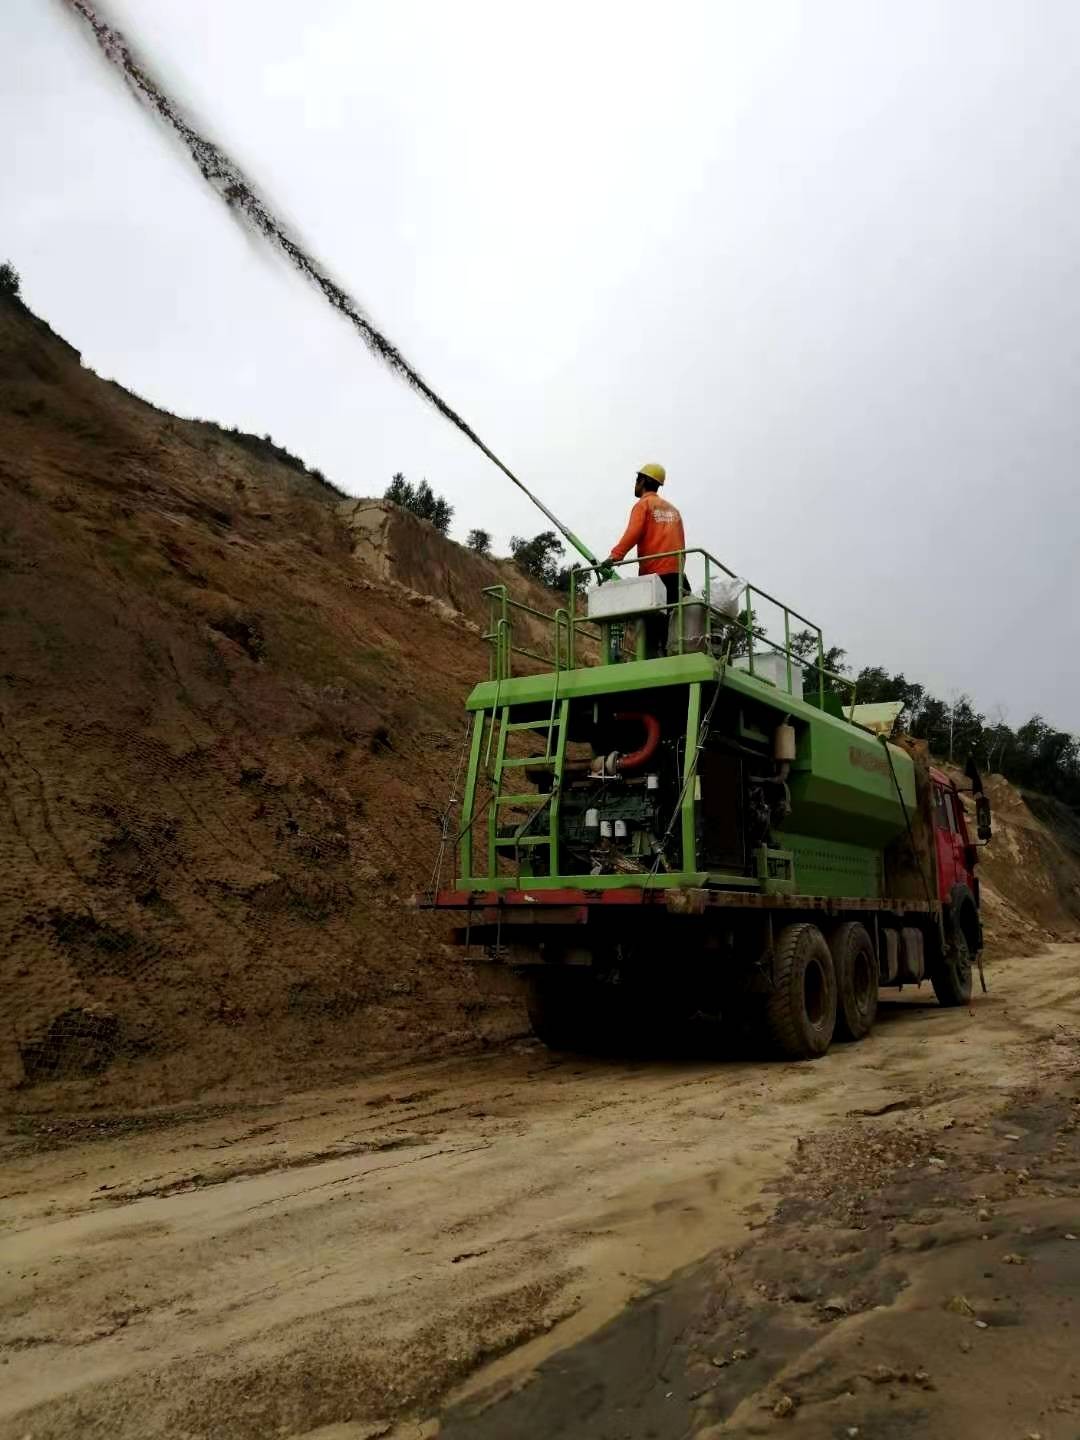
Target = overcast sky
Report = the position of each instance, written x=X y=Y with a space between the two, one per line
x=821 y=260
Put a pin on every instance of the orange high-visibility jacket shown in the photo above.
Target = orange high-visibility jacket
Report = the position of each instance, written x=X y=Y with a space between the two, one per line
x=655 y=526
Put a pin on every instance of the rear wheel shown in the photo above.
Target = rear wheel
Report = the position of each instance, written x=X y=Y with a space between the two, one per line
x=951 y=976
x=856 y=980
x=800 y=1011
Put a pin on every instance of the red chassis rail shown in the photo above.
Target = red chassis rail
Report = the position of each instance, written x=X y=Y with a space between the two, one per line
x=574 y=907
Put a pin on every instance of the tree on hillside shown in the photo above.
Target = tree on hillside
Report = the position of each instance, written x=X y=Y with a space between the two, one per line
x=9 y=279
x=1048 y=760
x=421 y=500
x=932 y=724
x=538 y=557
x=804 y=645
x=965 y=729
x=737 y=638
x=480 y=541
x=582 y=578
x=996 y=739
x=874 y=685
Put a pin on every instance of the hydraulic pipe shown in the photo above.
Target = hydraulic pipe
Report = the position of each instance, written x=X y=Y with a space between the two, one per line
x=637 y=758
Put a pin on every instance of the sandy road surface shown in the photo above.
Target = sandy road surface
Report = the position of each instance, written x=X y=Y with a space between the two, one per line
x=348 y=1262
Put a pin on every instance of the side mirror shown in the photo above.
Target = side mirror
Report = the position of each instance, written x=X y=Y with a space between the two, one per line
x=982 y=818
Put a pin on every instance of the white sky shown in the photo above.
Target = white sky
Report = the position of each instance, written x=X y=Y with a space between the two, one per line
x=821 y=260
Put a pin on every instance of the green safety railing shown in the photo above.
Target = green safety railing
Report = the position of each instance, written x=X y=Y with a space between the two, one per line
x=569 y=628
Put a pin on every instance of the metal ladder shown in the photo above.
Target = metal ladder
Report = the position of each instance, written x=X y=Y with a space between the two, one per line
x=554 y=757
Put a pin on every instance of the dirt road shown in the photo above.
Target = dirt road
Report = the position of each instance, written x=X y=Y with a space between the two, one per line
x=520 y=1244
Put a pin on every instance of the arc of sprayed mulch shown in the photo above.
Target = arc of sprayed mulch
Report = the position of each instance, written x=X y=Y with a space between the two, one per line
x=224 y=176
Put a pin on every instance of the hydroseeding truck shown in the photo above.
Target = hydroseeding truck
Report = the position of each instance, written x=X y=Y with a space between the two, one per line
x=708 y=832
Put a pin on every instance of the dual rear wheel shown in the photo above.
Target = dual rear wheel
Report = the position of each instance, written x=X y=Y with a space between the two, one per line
x=820 y=990
x=801 y=1006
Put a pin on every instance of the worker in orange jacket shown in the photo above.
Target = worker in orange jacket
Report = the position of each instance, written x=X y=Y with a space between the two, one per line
x=656 y=528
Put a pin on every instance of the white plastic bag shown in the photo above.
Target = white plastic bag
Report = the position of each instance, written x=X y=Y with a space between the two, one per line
x=726 y=596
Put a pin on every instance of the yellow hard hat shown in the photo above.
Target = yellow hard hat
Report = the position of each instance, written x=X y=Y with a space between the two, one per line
x=654 y=472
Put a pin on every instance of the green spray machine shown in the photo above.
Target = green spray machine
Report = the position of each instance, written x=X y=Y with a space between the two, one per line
x=669 y=819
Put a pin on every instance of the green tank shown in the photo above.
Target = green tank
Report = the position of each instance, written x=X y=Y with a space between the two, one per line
x=609 y=769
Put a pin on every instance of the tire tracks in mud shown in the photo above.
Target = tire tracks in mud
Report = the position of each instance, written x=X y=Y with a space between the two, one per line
x=535 y=1202
x=248 y=1170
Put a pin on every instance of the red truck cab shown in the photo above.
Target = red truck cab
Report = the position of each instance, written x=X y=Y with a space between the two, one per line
x=956 y=855
x=957 y=882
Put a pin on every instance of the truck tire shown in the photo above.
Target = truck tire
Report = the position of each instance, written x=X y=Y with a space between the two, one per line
x=562 y=1007
x=856 y=969
x=800 y=1011
x=951 y=975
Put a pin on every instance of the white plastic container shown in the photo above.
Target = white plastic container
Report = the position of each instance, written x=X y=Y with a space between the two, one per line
x=770 y=665
x=626 y=597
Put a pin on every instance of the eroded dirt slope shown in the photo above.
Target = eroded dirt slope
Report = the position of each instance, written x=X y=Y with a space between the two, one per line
x=223 y=738
x=1030 y=872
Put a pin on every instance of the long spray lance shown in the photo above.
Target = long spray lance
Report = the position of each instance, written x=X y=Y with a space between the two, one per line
x=229 y=182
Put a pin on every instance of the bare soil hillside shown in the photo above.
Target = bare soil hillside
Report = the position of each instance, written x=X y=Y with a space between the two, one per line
x=1030 y=872
x=223 y=739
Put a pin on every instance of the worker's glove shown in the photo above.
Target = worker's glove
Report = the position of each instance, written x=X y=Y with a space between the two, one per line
x=606 y=571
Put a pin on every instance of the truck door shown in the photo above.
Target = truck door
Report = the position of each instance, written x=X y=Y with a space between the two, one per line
x=952 y=865
x=966 y=852
x=952 y=846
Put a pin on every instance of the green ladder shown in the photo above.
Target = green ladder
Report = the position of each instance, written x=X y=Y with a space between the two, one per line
x=554 y=756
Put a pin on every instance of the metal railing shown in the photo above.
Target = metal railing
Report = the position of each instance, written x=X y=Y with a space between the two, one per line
x=569 y=628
